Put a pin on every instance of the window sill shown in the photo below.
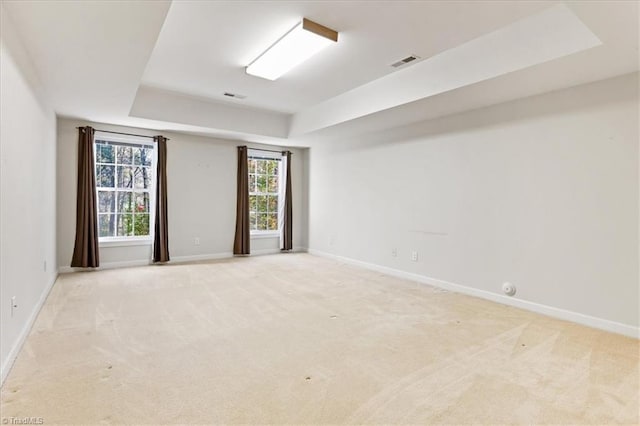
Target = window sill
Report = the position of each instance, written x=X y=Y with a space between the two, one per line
x=260 y=235
x=125 y=242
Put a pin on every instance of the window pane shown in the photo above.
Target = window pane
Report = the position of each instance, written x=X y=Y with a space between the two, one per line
x=262 y=203
x=272 y=204
x=252 y=203
x=122 y=212
x=138 y=178
x=262 y=222
x=137 y=158
x=125 y=154
x=252 y=166
x=125 y=176
x=148 y=175
x=261 y=183
x=252 y=221
x=105 y=176
x=105 y=153
x=142 y=178
x=273 y=184
x=125 y=202
x=106 y=225
x=272 y=221
x=106 y=201
x=97 y=147
x=141 y=202
x=124 y=225
x=261 y=166
x=141 y=224
x=146 y=156
x=252 y=183
x=272 y=167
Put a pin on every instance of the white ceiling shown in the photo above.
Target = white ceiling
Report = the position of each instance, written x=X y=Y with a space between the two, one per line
x=212 y=42
x=165 y=65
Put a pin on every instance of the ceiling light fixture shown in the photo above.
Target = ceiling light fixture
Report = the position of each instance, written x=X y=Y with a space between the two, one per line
x=299 y=44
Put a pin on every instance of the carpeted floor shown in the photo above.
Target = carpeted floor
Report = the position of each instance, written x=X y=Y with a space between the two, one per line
x=298 y=339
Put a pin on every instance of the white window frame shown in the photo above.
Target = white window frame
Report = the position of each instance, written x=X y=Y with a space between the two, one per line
x=134 y=141
x=267 y=155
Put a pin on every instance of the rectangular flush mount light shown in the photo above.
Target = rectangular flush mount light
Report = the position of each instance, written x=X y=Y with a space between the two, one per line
x=299 y=44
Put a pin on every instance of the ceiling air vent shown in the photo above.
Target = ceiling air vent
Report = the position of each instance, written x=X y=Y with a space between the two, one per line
x=234 y=95
x=405 y=61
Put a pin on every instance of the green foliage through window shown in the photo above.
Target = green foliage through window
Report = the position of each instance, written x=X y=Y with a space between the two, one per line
x=263 y=194
x=124 y=178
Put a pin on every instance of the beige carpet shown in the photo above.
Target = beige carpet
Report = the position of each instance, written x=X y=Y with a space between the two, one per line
x=298 y=339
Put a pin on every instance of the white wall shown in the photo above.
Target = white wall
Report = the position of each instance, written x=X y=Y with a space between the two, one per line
x=27 y=196
x=541 y=192
x=201 y=178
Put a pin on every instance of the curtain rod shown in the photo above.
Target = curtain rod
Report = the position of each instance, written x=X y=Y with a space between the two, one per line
x=267 y=150
x=120 y=133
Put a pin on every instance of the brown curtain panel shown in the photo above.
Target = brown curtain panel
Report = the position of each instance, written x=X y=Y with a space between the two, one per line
x=287 y=240
x=242 y=239
x=161 y=237
x=85 y=251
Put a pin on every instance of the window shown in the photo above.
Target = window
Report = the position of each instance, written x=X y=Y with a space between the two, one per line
x=124 y=185
x=264 y=193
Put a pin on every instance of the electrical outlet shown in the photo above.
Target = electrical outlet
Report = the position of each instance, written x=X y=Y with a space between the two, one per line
x=414 y=256
x=196 y=241
x=394 y=252
x=509 y=289
x=14 y=305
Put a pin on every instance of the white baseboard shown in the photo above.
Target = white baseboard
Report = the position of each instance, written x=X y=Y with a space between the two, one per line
x=24 y=333
x=227 y=255
x=197 y=257
x=590 y=321
x=174 y=259
x=262 y=252
x=106 y=265
x=277 y=250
